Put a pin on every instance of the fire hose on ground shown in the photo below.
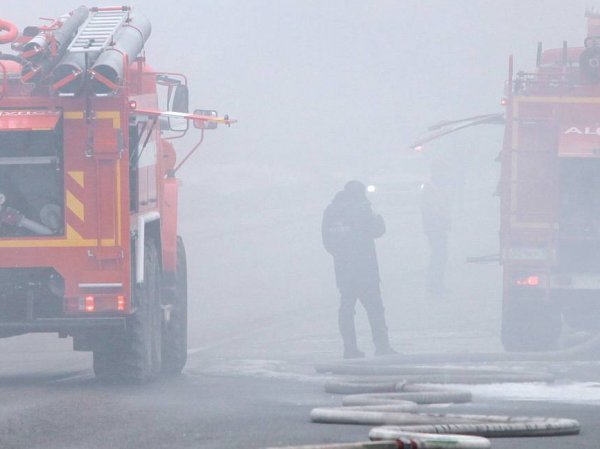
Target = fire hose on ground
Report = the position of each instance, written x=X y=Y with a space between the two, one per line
x=390 y=384
x=477 y=425
x=413 y=393
x=384 y=409
x=410 y=441
x=386 y=393
x=584 y=351
x=400 y=426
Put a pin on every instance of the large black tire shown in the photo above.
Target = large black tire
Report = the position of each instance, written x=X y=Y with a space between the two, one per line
x=582 y=314
x=530 y=325
x=105 y=364
x=136 y=354
x=174 y=343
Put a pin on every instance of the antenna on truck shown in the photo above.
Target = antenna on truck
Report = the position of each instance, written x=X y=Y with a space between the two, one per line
x=592 y=11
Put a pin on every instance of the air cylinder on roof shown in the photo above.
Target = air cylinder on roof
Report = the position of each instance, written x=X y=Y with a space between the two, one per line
x=71 y=64
x=129 y=41
x=62 y=37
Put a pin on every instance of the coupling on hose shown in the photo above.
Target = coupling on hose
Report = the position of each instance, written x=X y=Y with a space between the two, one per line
x=12 y=217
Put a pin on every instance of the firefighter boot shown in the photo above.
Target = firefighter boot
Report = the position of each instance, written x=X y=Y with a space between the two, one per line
x=379 y=330
x=348 y=331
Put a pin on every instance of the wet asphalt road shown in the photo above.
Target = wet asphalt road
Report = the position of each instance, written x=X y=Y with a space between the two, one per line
x=260 y=319
x=51 y=400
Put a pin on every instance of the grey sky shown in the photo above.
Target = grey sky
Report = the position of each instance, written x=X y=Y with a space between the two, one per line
x=318 y=83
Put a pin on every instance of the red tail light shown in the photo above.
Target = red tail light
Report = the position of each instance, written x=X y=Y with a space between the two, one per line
x=531 y=281
x=98 y=303
x=90 y=303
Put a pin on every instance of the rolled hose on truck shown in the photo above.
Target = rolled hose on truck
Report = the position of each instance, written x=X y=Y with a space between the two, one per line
x=8 y=32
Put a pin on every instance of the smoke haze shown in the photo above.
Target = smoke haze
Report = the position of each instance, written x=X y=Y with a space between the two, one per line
x=325 y=92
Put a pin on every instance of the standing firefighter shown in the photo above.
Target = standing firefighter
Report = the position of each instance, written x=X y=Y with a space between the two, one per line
x=349 y=229
x=437 y=213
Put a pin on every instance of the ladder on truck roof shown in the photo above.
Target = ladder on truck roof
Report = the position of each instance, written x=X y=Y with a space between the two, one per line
x=97 y=32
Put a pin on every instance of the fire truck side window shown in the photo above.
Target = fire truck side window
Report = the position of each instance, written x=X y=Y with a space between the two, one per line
x=580 y=202
x=579 y=246
x=31 y=184
x=134 y=144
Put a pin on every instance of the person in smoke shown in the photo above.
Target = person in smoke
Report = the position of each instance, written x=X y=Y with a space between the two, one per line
x=349 y=229
x=436 y=213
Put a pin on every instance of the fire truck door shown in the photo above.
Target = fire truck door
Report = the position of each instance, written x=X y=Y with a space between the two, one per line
x=533 y=184
x=108 y=146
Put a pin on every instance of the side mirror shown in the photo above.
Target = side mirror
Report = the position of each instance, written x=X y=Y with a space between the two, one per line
x=179 y=102
x=180 y=99
x=203 y=124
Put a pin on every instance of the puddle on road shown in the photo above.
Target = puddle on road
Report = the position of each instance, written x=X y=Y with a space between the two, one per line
x=573 y=393
x=270 y=369
x=565 y=389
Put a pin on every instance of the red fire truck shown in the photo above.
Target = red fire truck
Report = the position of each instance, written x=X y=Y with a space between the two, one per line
x=88 y=191
x=549 y=191
x=550 y=208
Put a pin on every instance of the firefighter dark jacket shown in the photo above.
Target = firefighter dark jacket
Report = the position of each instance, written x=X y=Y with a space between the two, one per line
x=348 y=229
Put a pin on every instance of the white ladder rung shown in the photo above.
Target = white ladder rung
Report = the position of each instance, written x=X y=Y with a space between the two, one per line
x=98 y=31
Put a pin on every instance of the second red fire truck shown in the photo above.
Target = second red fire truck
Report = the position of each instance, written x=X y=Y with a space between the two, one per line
x=550 y=194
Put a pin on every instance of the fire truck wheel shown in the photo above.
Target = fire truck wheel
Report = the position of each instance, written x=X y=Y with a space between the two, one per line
x=135 y=355
x=143 y=345
x=583 y=316
x=174 y=343
x=530 y=325
x=104 y=362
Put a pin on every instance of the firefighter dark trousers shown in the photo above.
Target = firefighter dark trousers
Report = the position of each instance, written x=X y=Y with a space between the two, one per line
x=371 y=300
x=438 y=244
